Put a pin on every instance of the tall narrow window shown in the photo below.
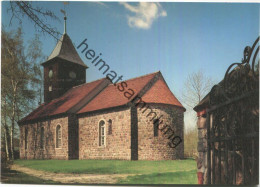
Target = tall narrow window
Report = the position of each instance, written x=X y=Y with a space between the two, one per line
x=155 y=127
x=42 y=138
x=109 y=126
x=58 y=136
x=102 y=133
x=26 y=138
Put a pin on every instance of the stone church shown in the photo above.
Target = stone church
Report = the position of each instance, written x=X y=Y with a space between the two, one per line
x=94 y=120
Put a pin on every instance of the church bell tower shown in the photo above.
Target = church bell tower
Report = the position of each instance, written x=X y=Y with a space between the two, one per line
x=63 y=69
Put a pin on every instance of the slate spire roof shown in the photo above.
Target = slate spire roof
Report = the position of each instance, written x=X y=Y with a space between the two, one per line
x=65 y=50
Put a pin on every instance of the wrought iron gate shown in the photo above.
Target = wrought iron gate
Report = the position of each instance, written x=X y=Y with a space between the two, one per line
x=233 y=123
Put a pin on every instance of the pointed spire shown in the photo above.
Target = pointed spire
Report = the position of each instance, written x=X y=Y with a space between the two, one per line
x=65 y=50
x=65 y=24
x=65 y=20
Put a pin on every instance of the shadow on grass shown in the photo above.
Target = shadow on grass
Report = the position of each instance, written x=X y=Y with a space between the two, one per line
x=182 y=177
x=9 y=176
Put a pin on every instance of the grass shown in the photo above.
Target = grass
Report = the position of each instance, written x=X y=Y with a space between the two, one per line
x=109 y=166
x=14 y=177
x=181 y=177
x=147 y=172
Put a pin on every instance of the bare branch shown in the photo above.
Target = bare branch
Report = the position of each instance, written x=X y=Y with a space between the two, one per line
x=196 y=87
x=19 y=9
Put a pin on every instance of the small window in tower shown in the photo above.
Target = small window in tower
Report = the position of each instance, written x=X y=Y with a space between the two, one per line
x=50 y=73
x=72 y=75
x=50 y=88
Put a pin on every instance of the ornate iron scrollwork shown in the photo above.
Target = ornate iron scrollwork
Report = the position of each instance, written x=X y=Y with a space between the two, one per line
x=239 y=78
x=233 y=128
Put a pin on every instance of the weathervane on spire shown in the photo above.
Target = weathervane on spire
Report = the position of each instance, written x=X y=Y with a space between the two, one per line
x=65 y=16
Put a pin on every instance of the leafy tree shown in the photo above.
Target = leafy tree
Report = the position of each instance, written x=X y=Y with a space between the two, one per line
x=21 y=78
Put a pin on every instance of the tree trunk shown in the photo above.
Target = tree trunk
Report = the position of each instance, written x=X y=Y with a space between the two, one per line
x=6 y=143
x=13 y=120
x=6 y=131
x=12 y=132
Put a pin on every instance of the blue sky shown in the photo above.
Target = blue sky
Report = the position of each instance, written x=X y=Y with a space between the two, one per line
x=175 y=38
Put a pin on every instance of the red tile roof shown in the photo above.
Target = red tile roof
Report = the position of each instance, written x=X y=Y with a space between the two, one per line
x=63 y=103
x=160 y=93
x=111 y=96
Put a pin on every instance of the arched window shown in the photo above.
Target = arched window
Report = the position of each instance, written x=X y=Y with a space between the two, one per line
x=42 y=138
x=58 y=136
x=102 y=135
x=26 y=138
x=109 y=126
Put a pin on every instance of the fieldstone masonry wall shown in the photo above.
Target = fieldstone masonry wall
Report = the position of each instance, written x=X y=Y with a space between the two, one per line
x=117 y=144
x=152 y=147
x=131 y=138
x=49 y=150
x=132 y=135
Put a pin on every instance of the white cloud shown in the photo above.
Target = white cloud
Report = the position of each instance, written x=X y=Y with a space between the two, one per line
x=99 y=3
x=145 y=14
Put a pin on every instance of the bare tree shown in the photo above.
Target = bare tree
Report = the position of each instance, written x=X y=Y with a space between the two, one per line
x=196 y=86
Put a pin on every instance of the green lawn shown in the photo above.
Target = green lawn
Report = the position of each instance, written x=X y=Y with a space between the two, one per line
x=148 y=172
x=109 y=166
x=180 y=177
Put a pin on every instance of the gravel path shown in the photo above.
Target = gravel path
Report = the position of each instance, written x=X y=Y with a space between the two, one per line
x=72 y=178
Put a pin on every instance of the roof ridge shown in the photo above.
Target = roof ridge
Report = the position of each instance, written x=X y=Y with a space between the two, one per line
x=142 y=76
x=87 y=83
x=112 y=84
x=89 y=97
x=161 y=78
x=59 y=96
x=71 y=90
x=148 y=85
x=137 y=77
